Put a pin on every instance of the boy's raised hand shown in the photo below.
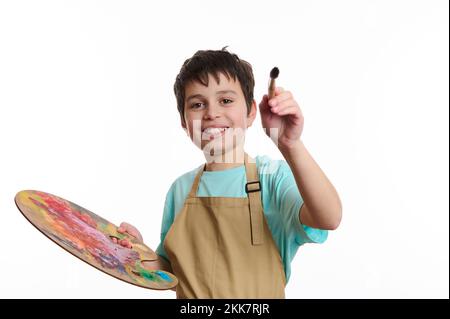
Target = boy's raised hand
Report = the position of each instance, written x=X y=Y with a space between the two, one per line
x=282 y=112
x=130 y=230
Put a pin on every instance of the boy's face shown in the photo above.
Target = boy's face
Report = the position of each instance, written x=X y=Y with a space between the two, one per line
x=215 y=116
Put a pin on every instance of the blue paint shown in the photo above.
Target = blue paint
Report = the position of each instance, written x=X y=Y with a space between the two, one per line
x=163 y=275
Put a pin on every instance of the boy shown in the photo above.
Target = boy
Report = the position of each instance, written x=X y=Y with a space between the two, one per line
x=232 y=226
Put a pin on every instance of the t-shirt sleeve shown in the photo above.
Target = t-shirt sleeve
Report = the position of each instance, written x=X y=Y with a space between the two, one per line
x=167 y=220
x=288 y=200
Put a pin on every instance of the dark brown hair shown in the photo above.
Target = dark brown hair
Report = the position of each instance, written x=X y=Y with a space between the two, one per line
x=205 y=62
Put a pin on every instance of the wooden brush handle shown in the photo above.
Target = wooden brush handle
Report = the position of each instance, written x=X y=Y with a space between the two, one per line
x=271 y=88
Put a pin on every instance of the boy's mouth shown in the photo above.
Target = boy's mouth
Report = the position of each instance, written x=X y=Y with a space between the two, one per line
x=213 y=132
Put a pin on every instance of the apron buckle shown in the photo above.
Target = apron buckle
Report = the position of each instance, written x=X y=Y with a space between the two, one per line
x=247 y=190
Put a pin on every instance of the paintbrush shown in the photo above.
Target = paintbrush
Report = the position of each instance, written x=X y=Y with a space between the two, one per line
x=273 y=75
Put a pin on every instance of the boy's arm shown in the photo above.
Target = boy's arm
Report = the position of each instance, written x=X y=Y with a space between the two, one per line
x=322 y=207
x=321 y=204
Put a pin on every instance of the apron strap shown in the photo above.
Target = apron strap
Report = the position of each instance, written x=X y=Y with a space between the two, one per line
x=194 y=188
x=253 y=190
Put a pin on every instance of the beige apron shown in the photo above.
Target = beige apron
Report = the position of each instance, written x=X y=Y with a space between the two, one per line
x=222 y=247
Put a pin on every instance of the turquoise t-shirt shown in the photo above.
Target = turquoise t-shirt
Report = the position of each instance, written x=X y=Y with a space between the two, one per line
x=281 y=203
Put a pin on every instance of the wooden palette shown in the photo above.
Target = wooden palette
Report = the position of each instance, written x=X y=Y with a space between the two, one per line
x=89 y=237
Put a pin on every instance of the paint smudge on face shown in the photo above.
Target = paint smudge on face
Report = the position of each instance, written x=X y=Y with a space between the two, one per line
x=87 y=236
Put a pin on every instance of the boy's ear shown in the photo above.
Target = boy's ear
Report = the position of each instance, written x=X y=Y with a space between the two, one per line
x=252 y=115
x=183 y=125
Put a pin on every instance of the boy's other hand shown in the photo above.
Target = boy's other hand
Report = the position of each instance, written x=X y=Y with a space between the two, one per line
x=129 y=229
x=282 y=112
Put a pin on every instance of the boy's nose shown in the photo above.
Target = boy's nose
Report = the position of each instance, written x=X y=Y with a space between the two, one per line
x=212 y=112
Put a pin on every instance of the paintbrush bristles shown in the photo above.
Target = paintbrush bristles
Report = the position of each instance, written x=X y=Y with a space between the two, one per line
x=273 y=75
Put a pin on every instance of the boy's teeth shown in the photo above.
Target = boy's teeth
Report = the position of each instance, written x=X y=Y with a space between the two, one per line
x=214 y=130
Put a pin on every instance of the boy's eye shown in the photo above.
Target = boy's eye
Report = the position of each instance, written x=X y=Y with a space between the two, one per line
x=196 y=105
x=227 y=101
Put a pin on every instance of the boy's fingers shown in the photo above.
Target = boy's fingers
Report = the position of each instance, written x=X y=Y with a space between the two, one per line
x=130 y=230
x=124 y=225
x=122 y=242
x=288 y=110
x=125 y=243
x=263 y=106
x=264 y=100
x=125 y=228
x=285 y=95
x=278 y=90
x=284 y=104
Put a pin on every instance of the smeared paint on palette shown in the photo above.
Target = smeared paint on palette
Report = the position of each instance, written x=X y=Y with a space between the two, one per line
x=88 y=237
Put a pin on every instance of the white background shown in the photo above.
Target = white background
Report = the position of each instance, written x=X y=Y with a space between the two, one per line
x=87 y=112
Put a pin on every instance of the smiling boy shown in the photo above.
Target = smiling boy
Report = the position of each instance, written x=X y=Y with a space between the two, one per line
x=232 y=226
